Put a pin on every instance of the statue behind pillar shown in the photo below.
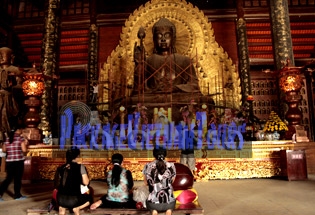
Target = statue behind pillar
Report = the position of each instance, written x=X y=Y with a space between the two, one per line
x=11 y=94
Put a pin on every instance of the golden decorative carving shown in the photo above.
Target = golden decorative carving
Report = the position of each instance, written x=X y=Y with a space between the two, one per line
x=96 y=171
x=48 y=171
x=260 y=159
x=195 y=38
x=237 y=169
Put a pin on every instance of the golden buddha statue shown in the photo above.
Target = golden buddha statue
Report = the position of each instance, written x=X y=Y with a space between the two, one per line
x=165 y=77
x=177 y=62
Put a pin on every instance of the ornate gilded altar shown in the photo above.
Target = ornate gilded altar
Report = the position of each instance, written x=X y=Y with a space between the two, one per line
x=261 y=160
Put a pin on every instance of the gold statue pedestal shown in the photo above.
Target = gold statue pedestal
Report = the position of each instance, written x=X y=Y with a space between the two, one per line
x=170 y=99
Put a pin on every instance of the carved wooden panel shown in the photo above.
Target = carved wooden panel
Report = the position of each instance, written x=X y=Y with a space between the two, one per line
x=304 y=108
x=264 y=91
x=69 y=93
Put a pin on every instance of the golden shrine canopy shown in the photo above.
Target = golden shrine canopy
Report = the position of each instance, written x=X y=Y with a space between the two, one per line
x=194 y=38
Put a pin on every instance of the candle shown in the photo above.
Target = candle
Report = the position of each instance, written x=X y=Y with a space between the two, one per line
x=169 y=114
x=155 y=114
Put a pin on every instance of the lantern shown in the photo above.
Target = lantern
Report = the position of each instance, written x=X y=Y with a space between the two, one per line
x=290 y=82
x=33 y=88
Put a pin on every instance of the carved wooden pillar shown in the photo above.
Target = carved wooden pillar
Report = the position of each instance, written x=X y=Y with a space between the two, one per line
x=48 y=61
x=92 y=65
x=243 y=54
x=93 y=39
x=281 y=33
x=282 y=42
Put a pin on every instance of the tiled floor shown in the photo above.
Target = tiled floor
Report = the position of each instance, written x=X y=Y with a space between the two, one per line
x=218 y=197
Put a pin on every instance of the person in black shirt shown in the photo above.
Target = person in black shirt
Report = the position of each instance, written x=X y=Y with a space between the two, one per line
x=187 y=156
x=71 y=176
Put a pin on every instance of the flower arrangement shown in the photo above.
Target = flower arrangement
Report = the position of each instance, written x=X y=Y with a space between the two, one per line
x=274 y=123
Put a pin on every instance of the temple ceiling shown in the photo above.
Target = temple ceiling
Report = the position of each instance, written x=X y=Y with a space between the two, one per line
x=28 y=25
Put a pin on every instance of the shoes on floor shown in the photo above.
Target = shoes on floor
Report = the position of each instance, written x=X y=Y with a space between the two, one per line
x=21 y=198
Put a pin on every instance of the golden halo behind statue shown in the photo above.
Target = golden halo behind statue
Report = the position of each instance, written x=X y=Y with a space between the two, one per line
x=194 y=38
x=192 y=27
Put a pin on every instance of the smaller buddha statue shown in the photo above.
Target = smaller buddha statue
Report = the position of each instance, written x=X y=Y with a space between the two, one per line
x=11 y=94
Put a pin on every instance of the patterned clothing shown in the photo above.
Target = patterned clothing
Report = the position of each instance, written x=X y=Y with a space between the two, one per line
x=15 y=165
x=14 y=149
x=121 y=192
x=119 y=197
x=160 y=186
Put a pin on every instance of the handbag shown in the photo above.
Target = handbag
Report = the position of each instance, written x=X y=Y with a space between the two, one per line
x=140 y=194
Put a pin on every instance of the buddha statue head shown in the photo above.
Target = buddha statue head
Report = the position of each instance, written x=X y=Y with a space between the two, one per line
x=164 y=35
x=6 y=57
